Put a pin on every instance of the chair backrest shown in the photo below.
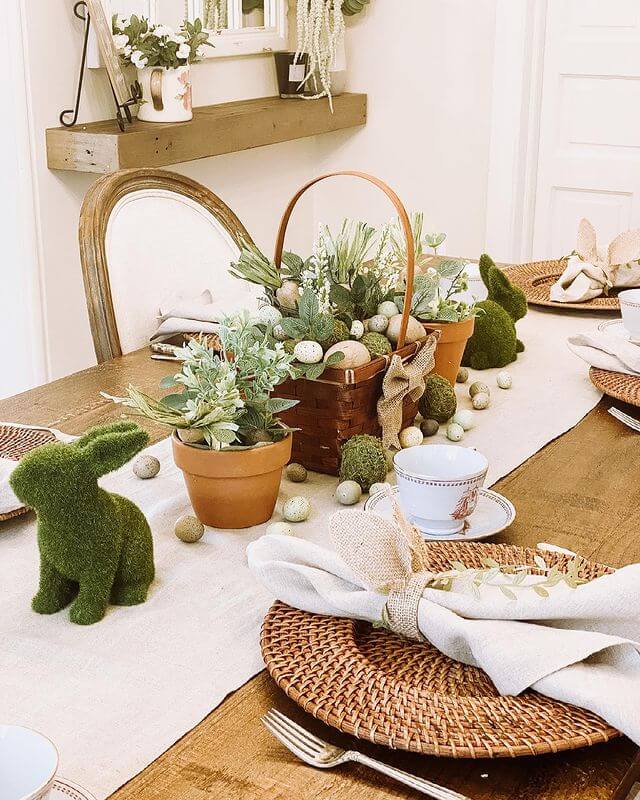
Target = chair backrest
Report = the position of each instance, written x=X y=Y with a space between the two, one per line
x=151 y=238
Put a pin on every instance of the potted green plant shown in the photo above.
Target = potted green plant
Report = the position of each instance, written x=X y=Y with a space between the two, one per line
x=436 y=299
x=227 y=439
x=163 y=59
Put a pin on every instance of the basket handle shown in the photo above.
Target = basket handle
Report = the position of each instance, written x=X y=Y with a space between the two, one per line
x=404 y=220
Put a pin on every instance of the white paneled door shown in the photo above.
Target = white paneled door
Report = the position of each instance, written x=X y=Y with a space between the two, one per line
x=589 y=153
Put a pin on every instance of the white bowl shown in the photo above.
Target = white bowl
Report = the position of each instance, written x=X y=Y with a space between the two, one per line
x=28 y=764
x=438 y=485
x=630 y=308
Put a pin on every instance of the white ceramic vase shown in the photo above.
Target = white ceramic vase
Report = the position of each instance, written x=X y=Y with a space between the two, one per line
x=166 y=94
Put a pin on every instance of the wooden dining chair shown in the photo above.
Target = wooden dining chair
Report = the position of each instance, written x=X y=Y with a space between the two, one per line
x=149 y=238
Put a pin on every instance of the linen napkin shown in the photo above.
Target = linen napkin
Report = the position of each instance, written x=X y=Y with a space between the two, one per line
x=590 y=271
x=201 y=314
x=8 y=501
x=577 y=645
x=606 y=351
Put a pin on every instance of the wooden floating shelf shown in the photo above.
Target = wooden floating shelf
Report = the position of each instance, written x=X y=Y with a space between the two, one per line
x=226 y=128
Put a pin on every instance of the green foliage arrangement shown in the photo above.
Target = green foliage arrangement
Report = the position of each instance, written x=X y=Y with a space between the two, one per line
x=439 y=399
x=145 y=45
x=494 y=342
x=95 y=547
x=363 y=460
x=225 y=398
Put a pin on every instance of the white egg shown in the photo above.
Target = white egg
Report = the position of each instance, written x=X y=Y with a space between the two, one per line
x=357 y=329
x=388 y=308
x=415 y=329
x=297 y=509
x=504 y=379
x=308 y=352
x=378 y=487
x=455 y=432
x=378 y=324
x=268 y=315
x=411 y=437
x=464 y=418
x=348 y=493
x=279 y=529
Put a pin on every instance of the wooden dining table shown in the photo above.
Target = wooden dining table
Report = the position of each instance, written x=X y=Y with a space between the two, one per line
x=581 y=491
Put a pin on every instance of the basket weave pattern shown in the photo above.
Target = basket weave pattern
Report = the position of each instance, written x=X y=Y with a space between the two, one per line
x=537 y=278
x=617 y=384
x=16 y=442
x=372 y=684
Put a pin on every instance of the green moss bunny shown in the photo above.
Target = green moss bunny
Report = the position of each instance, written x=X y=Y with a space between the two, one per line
x=95 y=546
x=494 y=342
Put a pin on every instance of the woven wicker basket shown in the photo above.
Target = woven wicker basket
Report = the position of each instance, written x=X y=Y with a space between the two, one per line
x=343 y=402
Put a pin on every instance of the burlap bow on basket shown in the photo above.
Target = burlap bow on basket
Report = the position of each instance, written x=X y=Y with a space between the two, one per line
x=591 y=272
x=387 y=557
x=404 y=380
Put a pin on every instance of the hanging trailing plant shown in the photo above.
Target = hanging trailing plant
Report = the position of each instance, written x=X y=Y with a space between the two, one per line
x=320 y=33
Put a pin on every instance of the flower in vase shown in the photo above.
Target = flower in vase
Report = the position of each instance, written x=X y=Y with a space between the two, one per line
x=163 y=30
x=183 y=51
x=121 y=40
x=138 y=59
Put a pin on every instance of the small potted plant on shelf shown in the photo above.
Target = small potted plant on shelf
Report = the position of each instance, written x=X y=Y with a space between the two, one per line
x=436 y=301
x=163 y=59
x=227 y=440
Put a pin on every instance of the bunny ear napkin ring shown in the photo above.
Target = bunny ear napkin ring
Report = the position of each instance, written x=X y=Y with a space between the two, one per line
x=389 y=557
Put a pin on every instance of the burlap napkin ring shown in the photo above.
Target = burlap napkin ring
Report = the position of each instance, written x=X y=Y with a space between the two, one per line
x=386 y=556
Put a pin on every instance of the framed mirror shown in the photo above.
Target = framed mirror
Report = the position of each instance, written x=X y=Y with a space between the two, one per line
x=247 y=26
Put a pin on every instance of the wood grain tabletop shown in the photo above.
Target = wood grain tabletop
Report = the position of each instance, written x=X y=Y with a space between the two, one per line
x=581 y=491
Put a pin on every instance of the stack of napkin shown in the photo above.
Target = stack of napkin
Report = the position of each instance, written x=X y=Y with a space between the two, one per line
x=591 y=272
x=577 y=645
x=606 y=351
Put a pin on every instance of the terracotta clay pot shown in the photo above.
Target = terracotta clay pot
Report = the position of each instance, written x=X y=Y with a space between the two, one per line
x=453 y=340
x=232 y=489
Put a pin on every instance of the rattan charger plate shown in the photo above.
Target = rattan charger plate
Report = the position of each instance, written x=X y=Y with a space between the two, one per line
x=536 y=279
x=15 y=441
x=372 y=684
x=617 y=384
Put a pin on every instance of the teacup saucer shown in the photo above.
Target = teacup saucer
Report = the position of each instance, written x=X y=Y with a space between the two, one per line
x=614 y=327
x=493 y=514
x=63 y=789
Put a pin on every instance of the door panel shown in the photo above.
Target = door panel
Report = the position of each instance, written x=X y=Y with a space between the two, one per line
x=589 y=153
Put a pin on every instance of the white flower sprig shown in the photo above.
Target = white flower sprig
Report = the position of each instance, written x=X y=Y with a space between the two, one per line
x=320 y=31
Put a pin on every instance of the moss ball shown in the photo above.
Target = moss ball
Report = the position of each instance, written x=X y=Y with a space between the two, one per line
x=296 y=473
x=429 y=427
x=376 y=344
x=439 y=399
x=340 y=333
x=290 y=345
x=363 y=460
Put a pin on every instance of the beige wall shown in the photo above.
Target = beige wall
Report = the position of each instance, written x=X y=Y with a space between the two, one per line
x=426 y=65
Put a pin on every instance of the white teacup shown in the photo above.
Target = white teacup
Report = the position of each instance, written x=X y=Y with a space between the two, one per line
x=438 y=485
x=28 y=763
x=630 y=307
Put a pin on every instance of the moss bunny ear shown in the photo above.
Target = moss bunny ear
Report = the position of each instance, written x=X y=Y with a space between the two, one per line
x=112 y=449
x=486 y=264
x=100 y=430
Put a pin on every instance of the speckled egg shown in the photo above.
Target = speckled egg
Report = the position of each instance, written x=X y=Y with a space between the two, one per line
x=378 y=487
x=348 y=493
x=357 y=329
x=146 y=467
x=279 y=333
x=388 y=309
x=268 y=315
x=308 y=352
x=378 y=324
x=455 y=432
x=190 y=435
x=504 y=379
x=478 y=386
x=430 y=427
x=297 y=509
x=481 y=400
x=296 y=473
x=189 y=529
x=464 y=418
x=279 y=529
x=463 y=375
x=410 y=437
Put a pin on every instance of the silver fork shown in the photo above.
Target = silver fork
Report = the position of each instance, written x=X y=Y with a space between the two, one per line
x=630 y=422
x=318 y=753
